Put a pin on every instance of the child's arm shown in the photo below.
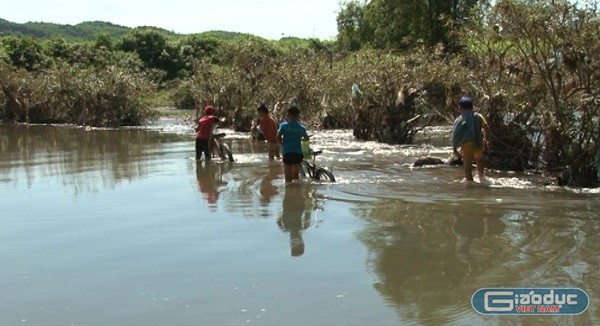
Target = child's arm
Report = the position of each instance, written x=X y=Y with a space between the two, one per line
x=214 y=126
x=456 y=153
x=487 y=132
x=280 y=134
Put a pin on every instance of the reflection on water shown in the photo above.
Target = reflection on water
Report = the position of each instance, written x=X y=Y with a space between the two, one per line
x=74 y=155
x=430 y=258
x=268 y=189
x=128 y=221
x=296 y=215
x=468 y=228
x=210 y=181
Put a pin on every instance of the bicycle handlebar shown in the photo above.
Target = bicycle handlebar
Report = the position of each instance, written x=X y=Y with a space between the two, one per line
x=219 y=135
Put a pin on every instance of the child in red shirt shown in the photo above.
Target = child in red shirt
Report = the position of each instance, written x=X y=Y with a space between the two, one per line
x=204 y=131
x=268 y=127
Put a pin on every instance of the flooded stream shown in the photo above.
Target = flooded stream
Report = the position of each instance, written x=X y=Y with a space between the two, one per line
x=124 y=227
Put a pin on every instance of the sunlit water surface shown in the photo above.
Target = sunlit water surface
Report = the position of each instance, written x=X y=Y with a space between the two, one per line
x=124 y=227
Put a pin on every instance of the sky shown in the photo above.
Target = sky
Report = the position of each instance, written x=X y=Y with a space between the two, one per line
x=271 y=19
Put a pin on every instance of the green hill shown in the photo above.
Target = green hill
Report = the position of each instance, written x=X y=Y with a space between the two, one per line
x=82 y=31
x=221 y=34
x=89 y=30
x=10 y=28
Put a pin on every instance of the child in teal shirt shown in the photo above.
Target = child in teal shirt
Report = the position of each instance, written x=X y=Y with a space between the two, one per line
x=290 y=135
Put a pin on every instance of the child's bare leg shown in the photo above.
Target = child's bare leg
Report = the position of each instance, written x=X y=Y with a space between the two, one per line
x=467 y=162
x=295 y=171
x=480 y=168
x=287 y=169
x=274 y=150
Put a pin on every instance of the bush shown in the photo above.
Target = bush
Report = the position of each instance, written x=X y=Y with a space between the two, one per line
x=400 y=93
x=184 y=97
x=109 y=96
x=24 y=52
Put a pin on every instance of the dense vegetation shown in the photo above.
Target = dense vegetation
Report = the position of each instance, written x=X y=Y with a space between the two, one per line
x=393 y=24
x=536 y=73
x=531 y=66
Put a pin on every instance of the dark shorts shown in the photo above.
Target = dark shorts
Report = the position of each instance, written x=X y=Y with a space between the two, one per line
x=292 y=158
x=202 y=147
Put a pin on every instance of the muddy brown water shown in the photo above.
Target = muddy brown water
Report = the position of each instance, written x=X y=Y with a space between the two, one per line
x=123 y=227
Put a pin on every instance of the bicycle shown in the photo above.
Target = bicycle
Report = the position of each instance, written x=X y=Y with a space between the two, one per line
x=313 y=171
x=222 y=149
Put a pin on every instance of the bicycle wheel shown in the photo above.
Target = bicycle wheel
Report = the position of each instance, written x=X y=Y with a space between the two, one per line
x=303 y=171
x=325 y=175
x=306 y=170
x=226 y=152
x=215 y=149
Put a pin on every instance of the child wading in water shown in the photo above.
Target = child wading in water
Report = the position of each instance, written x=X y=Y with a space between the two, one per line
x=204 y=130
x=469 y=132
x=290 y=135
x=268 y=127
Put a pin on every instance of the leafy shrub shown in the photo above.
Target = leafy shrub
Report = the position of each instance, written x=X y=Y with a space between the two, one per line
x=24 y=52
x=184 y=98
x=110 y=96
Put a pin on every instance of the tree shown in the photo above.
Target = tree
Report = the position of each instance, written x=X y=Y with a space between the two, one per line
x=353 y=30
x=103 y=41
x=155 y=50
x=393 y=24
x=24 y=52
x=206 y=47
